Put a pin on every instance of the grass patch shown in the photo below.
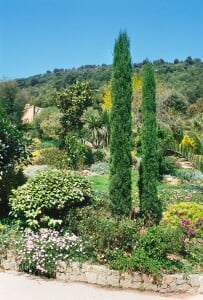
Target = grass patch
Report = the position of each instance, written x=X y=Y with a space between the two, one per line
x=101 y=182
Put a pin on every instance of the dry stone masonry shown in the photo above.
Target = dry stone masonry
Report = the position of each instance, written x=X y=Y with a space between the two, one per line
x=103 y=276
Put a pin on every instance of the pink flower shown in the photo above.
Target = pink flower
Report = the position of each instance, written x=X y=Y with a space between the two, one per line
x=191 y=232
x=185 y=222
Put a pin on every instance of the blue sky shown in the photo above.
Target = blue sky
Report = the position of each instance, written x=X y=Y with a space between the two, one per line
x=40 y=35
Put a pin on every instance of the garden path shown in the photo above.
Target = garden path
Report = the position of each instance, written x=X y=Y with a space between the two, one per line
x=19 y=286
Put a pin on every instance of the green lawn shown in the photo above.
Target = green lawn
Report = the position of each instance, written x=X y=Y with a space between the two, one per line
x=101 y=182
x=168 y=193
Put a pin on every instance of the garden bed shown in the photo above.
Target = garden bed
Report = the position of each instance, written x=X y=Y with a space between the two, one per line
x=104 y=276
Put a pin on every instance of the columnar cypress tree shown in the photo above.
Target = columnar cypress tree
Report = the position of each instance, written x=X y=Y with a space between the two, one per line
x=150 y=206
x=120 y=128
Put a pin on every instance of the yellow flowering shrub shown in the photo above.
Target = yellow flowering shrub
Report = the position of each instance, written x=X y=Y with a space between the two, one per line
x=137 y=91
x=2 y=227
x=106 y=99
x=188 y=215
x=187 y=142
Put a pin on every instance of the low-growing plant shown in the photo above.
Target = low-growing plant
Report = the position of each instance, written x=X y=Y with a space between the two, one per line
x=100 y=168
x=186 y=215
x=190 y=175
x=137 y=261
x=172 y=195
x=8 y=233
x=39 y=252
x=98 y=155
x=53 y=157
x=105 y=233
x=166 y=166
x=194 y=252
x=160 y=241
x=153 y=253
x=46 y=198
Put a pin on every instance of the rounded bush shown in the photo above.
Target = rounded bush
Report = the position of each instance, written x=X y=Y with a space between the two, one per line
x=187 y=215
x=51 y=156
x=46 y=198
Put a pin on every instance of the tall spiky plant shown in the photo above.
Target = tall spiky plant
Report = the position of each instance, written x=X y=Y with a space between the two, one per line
x=120 y=128
x=150 y=206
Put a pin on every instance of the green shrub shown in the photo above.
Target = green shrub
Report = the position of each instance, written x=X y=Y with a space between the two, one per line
x=190 y=175
x=49 y=143
x=77 y=218
x=151 y=252
x=105 y=234
x=53 y=157
x=79 y=154
x=194 y=252
x=98 y=155
x=102 y=232
x=8 y=234
x=189 y=216
x=11 y=179
x=137 y=261
x=166 y=166
x=160 y=241
x=45 y=199
x=100 y=168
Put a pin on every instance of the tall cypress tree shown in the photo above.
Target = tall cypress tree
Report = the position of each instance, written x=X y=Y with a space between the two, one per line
x=150 y=206
x=120 y=128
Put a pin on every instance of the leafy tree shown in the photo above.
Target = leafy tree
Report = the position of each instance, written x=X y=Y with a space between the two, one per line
x=8 y=90
x=176 y=104
x=72 y=102
x=12 y=152
x=12 y=100
x=120 y=128
x=196 y=108
x=150 y=206
x=47 y=122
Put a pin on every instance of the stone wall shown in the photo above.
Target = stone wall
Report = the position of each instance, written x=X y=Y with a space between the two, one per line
x=103 y=276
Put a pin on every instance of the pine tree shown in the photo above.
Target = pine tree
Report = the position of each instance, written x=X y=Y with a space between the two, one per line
x=150 y=206
x=120 y=128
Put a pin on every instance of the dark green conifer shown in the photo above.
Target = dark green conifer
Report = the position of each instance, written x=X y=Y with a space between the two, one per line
x=121 y=128
x=150 y=206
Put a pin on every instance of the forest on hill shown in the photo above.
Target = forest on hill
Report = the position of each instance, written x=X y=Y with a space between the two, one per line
x=179 y=98
x=182 y=82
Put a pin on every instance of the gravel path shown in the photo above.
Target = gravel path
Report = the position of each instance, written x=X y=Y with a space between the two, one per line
x=18 y=286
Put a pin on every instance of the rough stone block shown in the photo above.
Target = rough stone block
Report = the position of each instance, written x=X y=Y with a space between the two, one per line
x=62 y=276
x=194 y=281
x=200 y=289
x=9 y=265
x=137 y=277
x=113 y=281
x=182 y=288
x=126 y=280
x=168 y=279
x=91 y=277
x=76 y=267
x=61 y=266
x=102 y=280
x=86 y=267
x=100 y=269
